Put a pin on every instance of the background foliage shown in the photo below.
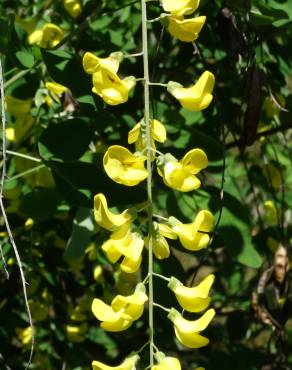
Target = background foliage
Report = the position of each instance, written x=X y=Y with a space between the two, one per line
x=50 y=207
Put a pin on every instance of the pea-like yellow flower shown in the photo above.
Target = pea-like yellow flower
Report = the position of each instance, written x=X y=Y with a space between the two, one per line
x=180 y=7
x=196 y=97
x=73 y=7
x=125 y=243
x=192 y=299
x=185 y=29
x=166 y=363
x=128 y=364
x=194 y=236
x=138 y=135
x=106 y=83
x=124 y=167
x=188 y=332
x=49 y=36
x=75 y=333
x=56 y=88
x=271 y=214
x=107 y=219
x=180 y=175
x=24 y=335
x=160 y=245
x=123 y=310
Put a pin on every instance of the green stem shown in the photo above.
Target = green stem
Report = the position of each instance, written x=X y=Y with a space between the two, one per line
x=12 y=152
x=149 y=178
x=25 y=173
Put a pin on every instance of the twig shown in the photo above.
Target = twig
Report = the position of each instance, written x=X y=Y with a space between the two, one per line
x=17 y=256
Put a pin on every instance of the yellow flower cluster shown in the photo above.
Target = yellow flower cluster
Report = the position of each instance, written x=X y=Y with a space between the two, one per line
x=184 y=29
x=106 y=82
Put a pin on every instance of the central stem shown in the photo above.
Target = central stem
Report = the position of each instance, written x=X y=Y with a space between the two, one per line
x=149 y=178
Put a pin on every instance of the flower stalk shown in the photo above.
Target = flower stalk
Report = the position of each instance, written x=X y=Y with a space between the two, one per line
x=149 y=178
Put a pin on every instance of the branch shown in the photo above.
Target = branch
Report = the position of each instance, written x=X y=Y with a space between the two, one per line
x=272 y=131
x=11 y=238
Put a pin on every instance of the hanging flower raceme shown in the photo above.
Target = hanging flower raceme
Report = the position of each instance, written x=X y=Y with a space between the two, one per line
x=73 y=7
x=125 y=243
x=186 y=30
x=20 y=110
x=106 y=83
x=196 y=97
x=192 y=299
x=124 y=167
x=48 y=36
x=128 y=364
x=159 y=243
x=138 y=135
x=188 y=332
x=107 y=219
x=180 y=7
x=180 y=175
x=122 y=312
x=195 y=235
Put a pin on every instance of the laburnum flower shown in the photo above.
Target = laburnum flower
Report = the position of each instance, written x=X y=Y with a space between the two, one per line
x=194 y=236
x=160 y=245
x=75 y=333
x=271 y=214
x=166 y=362
x=192 y=299
x=122 y=312
x=20 y=110
x=48 y=36
x=128 y=364
x=106 y=83
x=180 y=175
x=107 y=219
x=196 y=97
x=185 y=29
x=138 y=134
x=125 y=243
x=124 y=167
x=73 y=7
x=56 y=88
x=180 y=7
x=188 y=332
x=24 y=335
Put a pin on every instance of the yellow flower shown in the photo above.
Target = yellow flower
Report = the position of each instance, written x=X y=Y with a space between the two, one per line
x=123 y=310
x=180 y=7
x=192 y=299
x=188 y=332
x=128 y=364
x=76 y=333
x=180 y=175
x=125 y=243
x=271 y=215
x=47 y=37
x=138 y=134
x=193 y=236
x=166 y=363
x=196 y=97
x=124 y=167
x=56 y=88
x=97 y=273
x=160 y=245
x=106 y=82
x=24 y=335
x=185 y=29
x=107 y=219
x=73 y=7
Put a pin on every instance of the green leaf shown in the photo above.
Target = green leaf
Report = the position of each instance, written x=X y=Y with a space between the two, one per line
x=66 y=140
x=25 y=58
x=82 y=231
